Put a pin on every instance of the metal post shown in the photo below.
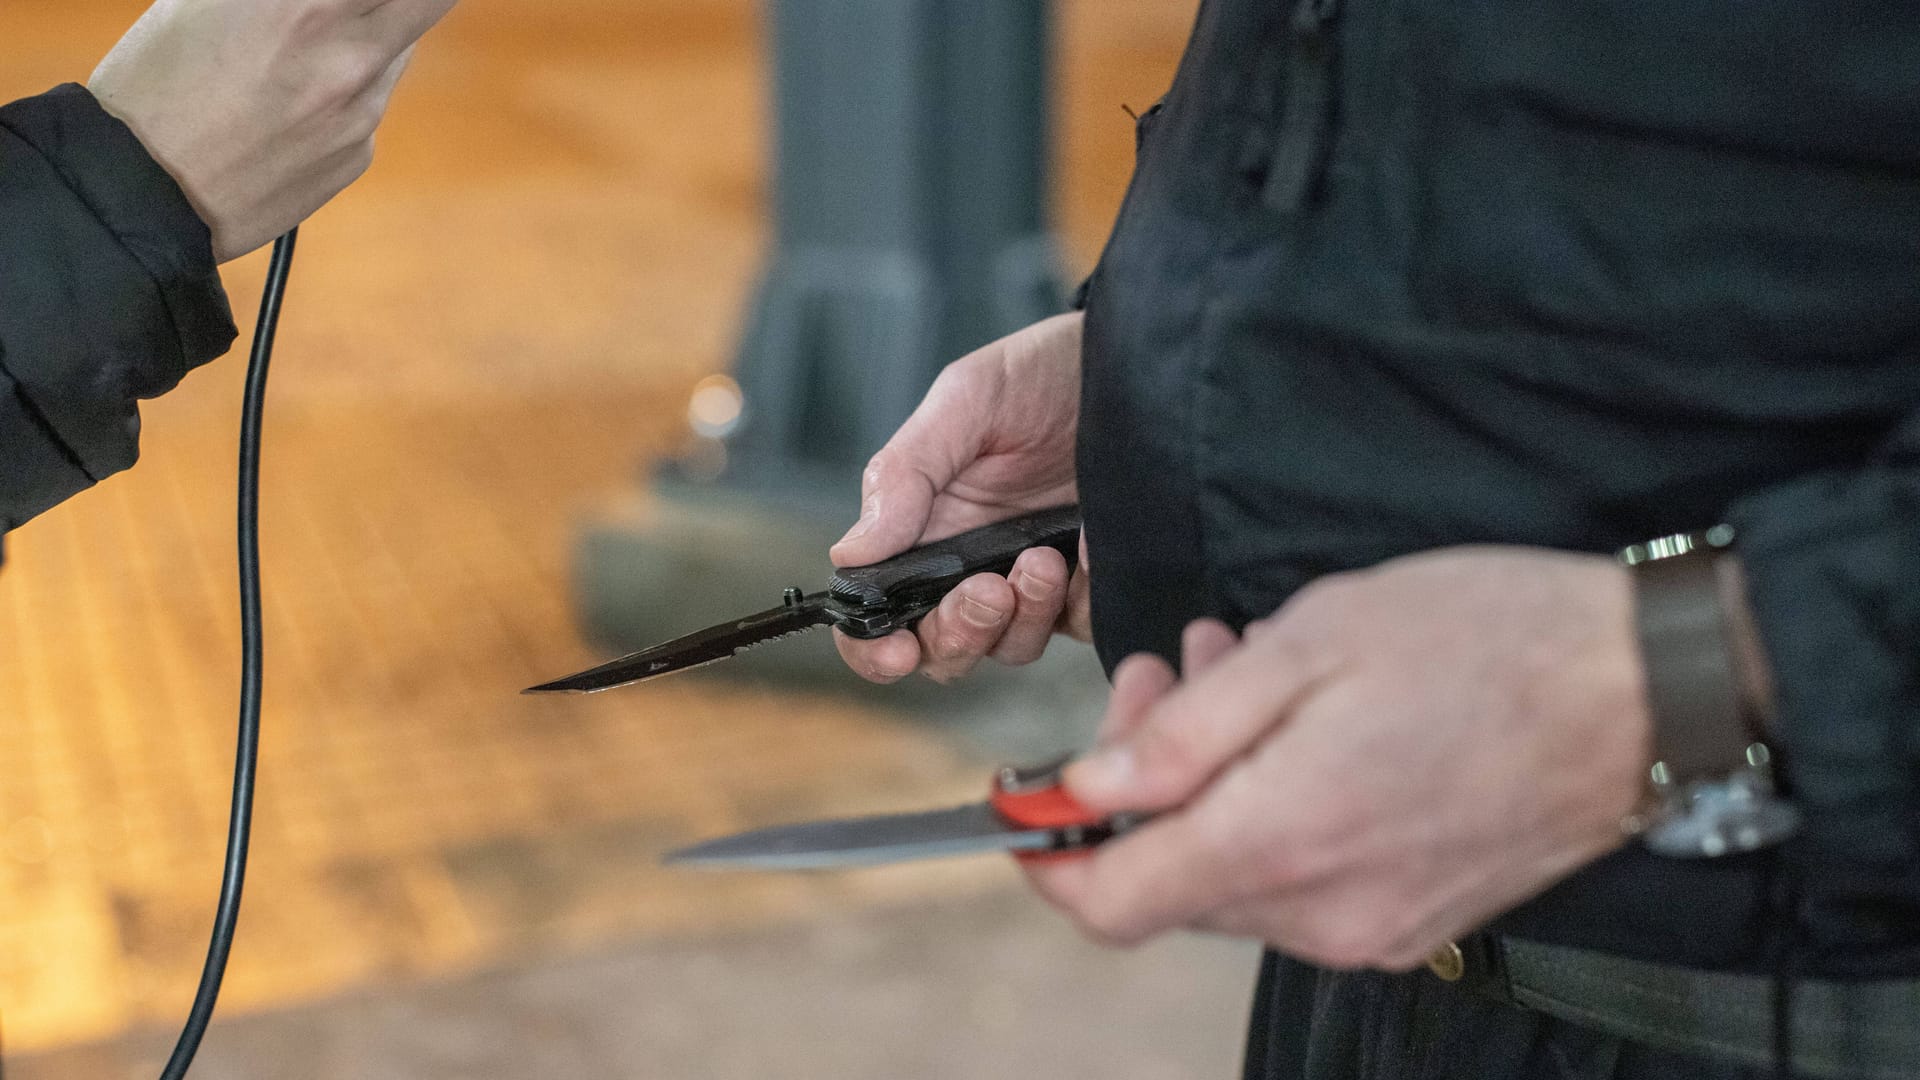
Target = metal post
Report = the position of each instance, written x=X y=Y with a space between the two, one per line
x=909 y=210
x=909 y=218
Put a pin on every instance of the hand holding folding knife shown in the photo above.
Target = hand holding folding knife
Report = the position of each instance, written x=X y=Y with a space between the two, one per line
x=863 y=601
x=1028 y=812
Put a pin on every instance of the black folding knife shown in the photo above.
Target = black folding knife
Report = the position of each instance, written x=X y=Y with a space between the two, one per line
x=863 y=601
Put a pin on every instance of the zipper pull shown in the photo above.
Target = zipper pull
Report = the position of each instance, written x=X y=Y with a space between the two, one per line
x=1299 y=148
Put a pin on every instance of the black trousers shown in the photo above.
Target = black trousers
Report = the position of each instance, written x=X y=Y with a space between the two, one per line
x=1310 y=1024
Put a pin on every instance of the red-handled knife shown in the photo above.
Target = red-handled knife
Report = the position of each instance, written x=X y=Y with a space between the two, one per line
x=1028 y=813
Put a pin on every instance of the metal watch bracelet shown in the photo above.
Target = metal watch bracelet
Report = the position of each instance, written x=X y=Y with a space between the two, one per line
x=1711 y=786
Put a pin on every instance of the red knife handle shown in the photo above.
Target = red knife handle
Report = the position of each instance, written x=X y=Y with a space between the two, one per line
x=1034 y=798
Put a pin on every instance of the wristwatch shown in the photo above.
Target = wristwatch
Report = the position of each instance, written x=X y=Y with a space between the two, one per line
x=1711 y=789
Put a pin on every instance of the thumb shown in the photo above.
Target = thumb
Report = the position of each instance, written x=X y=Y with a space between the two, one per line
x=896 y=500
x=1207 y=722
x=898 y=487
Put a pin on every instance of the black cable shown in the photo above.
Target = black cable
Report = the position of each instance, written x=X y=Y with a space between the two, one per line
x=240 y=825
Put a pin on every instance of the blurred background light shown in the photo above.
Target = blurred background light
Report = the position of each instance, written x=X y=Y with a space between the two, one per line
x=714 y=407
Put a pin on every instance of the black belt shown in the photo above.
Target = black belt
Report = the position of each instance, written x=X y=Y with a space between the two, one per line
x=1868 y=1029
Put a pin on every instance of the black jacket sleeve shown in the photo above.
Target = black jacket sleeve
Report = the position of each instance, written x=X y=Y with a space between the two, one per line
x=108 y=294
x=1834 y=571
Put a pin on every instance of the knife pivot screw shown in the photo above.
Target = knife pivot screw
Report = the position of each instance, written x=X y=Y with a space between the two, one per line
x=791 y=597
x=1021 y=780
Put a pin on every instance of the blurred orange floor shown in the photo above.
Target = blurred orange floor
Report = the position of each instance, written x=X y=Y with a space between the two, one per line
x=482 y=341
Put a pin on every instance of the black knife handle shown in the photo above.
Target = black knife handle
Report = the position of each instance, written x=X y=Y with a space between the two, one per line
x=873 y=601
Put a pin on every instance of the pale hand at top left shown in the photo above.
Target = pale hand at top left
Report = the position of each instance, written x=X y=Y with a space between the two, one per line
x=261 y=110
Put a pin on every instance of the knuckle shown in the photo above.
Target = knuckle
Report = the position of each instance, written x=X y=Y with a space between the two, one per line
x=316 y=20
x=357 y=64
x=954 y=371
x=367 y=111
x=949 y=647
x=963 y=370
x=360 y=158
x=347 y=73
x=331 y=98
x=878 y=466
x=957 y=643
x=1304 y=643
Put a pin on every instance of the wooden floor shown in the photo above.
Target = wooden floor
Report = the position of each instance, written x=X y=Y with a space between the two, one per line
x=483 y=341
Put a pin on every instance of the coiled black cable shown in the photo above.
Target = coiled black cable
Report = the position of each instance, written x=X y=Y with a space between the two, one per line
x=240 y=824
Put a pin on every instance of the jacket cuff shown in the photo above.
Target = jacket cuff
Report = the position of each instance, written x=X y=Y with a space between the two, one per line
x=1833 y=572
x=104 y=164
x=40 y=470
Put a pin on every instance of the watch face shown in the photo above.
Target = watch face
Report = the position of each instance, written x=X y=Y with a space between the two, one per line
x=1726 y=817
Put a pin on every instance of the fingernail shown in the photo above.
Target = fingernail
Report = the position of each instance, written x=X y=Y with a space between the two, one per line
x=1029 y=586
x=978 y=613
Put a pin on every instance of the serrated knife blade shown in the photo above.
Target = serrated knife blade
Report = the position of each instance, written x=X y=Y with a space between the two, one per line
x=696 y=649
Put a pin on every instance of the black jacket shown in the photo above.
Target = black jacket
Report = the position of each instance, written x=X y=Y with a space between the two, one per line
x=1394 y=276
x=108 y=294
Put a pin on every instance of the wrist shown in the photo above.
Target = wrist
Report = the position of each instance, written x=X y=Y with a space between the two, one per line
x=166 y=159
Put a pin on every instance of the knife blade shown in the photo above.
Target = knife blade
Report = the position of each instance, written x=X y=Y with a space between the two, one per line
x=864 y=841
x=698 y=649
x=863 y=601
x=1029 y=814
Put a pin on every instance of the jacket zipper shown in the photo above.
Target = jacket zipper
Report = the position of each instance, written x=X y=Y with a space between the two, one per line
x=1299 y=150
